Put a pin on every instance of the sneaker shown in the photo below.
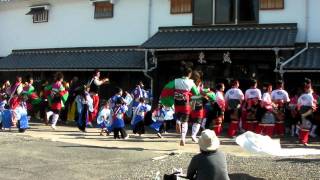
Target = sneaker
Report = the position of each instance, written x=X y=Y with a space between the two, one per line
x=194 y=139
x=305 y=144
x=53 y=127
x=159 y=135
x=182 y=143
x=127 y=137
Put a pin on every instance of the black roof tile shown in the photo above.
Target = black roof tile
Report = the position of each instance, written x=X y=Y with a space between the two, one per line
x=308 y=60
x=74 y=58
x=224 y=36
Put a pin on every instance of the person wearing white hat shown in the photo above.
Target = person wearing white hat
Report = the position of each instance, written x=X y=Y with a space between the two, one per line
x=210 y=163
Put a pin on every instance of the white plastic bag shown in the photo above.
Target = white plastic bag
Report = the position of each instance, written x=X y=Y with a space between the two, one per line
x=256 y=143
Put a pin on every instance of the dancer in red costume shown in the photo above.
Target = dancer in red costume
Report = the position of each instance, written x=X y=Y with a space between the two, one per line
x=252 y=98
x=266 y=125
x=306 y=106
x=57 y=98
x=217 y=127
x=15 y=98
x=234 y=98
x=94 y=85
x=197 y=113
x=280 y=98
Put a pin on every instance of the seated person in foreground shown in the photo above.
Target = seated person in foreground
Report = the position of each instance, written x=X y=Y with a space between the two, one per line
x=210 y=164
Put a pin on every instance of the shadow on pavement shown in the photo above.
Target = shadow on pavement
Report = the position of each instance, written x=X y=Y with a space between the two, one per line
x=116 y=148
x=242 y=176
x=81 y=136
x=300 y=160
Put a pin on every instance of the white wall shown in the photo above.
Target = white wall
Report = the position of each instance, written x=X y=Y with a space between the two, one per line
x=314 y=21
x=71 y=24
x=293 y=12
x=161 y=16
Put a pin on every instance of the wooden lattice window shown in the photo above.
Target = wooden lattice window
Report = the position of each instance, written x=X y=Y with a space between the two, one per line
x=181 y=6
x=103 y=10
x=39 y=15
x=271 y=4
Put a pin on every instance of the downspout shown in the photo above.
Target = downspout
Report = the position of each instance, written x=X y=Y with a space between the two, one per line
x=281 y=71
x=146 y=70
x=236 y=13
x=149 y=18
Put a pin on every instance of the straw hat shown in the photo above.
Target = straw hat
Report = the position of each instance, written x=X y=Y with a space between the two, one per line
x=209 y=141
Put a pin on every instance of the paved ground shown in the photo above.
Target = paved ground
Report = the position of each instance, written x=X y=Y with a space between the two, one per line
x=149 y=142
x=66 y=153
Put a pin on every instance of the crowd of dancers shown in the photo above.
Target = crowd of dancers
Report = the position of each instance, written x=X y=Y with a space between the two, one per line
x=185 y=100
x=271 y=112
x=63 y=100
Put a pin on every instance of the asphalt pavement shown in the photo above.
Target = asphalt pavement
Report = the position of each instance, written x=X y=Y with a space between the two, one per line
x=66 y=153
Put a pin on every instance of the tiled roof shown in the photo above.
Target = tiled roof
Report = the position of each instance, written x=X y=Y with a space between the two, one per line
x=74 y=58
x=224 y=36
x=308 y=60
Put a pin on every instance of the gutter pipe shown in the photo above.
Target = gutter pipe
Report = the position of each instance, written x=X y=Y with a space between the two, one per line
x=281 y=70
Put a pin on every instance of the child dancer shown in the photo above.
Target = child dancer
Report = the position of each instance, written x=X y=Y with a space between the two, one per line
x=3 y=103
x=158 y=116
x=118 y=125
x=113 y=99
x=138 y=92
x=138 y=117
x=84 y=106
x=103 y=119
x=168 y=118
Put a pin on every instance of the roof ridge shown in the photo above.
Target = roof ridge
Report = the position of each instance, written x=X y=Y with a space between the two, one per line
x=286 y=26
x=75 y=50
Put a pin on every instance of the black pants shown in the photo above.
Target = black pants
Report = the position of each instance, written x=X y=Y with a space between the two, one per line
x=122 y=132
x=139 y=128
x=43 y=110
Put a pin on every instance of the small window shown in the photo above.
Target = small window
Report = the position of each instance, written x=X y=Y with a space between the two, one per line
x=271 y=4
x=39 y=15
x=181 y=6
x=225 y=11
x=248 y=11
x=203 y=12
x=103 y=10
